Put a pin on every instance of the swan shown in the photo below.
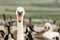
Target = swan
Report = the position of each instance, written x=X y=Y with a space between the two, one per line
x=55 y=27
x=48 y=26
x=49 y=31
x=20 y=15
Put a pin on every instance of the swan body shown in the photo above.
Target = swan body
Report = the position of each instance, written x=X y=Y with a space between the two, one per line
x=50 y=34
x=20 y=14
x=55 y=27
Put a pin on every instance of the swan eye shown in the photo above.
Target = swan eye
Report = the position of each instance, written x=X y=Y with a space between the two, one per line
x=48 y=28
x=19 y=13
x=45 y=27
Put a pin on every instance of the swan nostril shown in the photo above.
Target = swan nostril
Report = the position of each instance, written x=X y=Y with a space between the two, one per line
x=19 y=14
x=19 y=21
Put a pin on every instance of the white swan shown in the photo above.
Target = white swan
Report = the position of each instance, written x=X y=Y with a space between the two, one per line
x=48 y=26
x=20 y=14
x=55 y=27
x=49 y=33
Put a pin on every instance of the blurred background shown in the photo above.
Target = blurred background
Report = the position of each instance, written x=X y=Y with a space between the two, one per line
x=40 y=11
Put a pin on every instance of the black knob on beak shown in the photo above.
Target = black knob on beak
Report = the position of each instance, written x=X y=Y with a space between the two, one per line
x=19 y=13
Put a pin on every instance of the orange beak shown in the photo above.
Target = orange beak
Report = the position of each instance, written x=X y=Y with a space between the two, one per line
x=46 y=30
x=19 y=18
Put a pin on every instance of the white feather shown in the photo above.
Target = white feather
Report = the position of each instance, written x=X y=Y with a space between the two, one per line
x=20 y=34
x=50 y=34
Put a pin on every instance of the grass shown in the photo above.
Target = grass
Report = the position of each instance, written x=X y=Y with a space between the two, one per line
x=34 y=15
x=34 y=8
x=25 y=1
x=1 y=23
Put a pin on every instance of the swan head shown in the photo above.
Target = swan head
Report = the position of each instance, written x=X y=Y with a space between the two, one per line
x=20 y=12
x=48 y=27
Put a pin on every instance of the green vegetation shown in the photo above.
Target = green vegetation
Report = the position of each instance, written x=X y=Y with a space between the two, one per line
x=33 y=8
x=33 y=15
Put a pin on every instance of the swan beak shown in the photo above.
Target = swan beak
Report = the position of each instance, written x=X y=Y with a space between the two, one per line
x=19 y=18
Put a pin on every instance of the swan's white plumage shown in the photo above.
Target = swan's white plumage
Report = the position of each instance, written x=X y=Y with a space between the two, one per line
x=55 y=27
x=20 y=9
x=50 y=34
x=48 y=25
x=20 y=34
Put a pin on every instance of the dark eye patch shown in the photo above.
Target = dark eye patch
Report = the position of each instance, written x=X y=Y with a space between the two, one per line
x=20 y=13
x=45 y=27
x=48 y=27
